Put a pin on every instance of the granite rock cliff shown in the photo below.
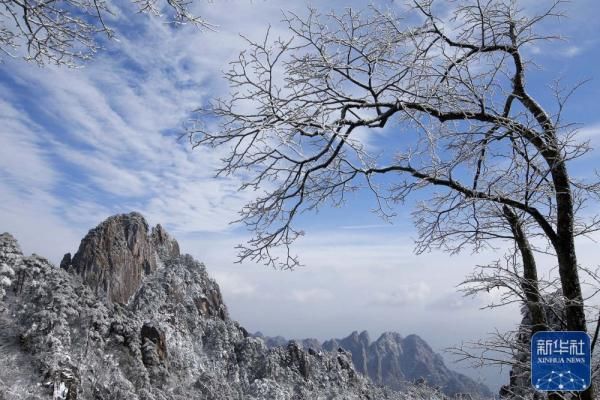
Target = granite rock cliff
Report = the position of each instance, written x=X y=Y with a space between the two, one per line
x=114 y=257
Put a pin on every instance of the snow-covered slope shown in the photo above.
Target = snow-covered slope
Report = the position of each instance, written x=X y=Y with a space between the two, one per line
x=70 y=333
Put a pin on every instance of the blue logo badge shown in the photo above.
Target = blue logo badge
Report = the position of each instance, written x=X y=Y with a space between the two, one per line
x=561 y=361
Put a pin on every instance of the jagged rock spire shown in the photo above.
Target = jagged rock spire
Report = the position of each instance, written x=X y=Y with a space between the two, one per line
x=115 y=256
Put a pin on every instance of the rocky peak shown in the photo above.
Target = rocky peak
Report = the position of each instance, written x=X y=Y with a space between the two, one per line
x=417 y=346
x=355 y=343
x=166 y=246
x=396 y=362
x=388 y=338
x=114 y=257
x=364 y=337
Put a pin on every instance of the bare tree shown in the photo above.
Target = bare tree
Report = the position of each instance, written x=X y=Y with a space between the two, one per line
x=453 y=93
x=512 y=349
x=66 y=32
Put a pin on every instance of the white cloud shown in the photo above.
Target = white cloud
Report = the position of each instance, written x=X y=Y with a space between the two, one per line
x=551 y=49
x=313 y=295
x=572 y=51
x=415 y=294
x=23 y=153
x=591 y=131
x=113 y=130
x=233 y=285
x=455 y=301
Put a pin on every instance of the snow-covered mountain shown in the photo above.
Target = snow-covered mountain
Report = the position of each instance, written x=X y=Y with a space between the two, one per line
x=129 y=317
x=394 y=361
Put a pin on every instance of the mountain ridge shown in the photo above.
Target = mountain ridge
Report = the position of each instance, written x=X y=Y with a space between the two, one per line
x=393 y=361
x=130 y=317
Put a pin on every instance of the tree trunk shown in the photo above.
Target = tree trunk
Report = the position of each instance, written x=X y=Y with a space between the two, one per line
x=529 y=281
x=565 y=249
x=567 y=257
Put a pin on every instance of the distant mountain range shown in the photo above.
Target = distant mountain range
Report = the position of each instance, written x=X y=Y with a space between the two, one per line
x=393 y=361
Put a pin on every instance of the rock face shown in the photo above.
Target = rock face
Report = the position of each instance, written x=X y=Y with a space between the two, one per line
x=132 y=319
x=154 y=344
x=356 y=344
x=114 y=257
x=396 y=362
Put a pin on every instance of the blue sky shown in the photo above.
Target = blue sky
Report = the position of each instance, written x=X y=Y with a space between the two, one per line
x=77 y=145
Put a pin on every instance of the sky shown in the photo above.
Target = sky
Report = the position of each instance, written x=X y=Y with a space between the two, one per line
x=78 y=145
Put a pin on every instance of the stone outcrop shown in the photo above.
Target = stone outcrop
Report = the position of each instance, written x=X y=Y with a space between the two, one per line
x=153 y=344
x=114 y=257
x=66 y=261
x=357 y=344
x=394 y=361
x=166 y=337
x=165 y=246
